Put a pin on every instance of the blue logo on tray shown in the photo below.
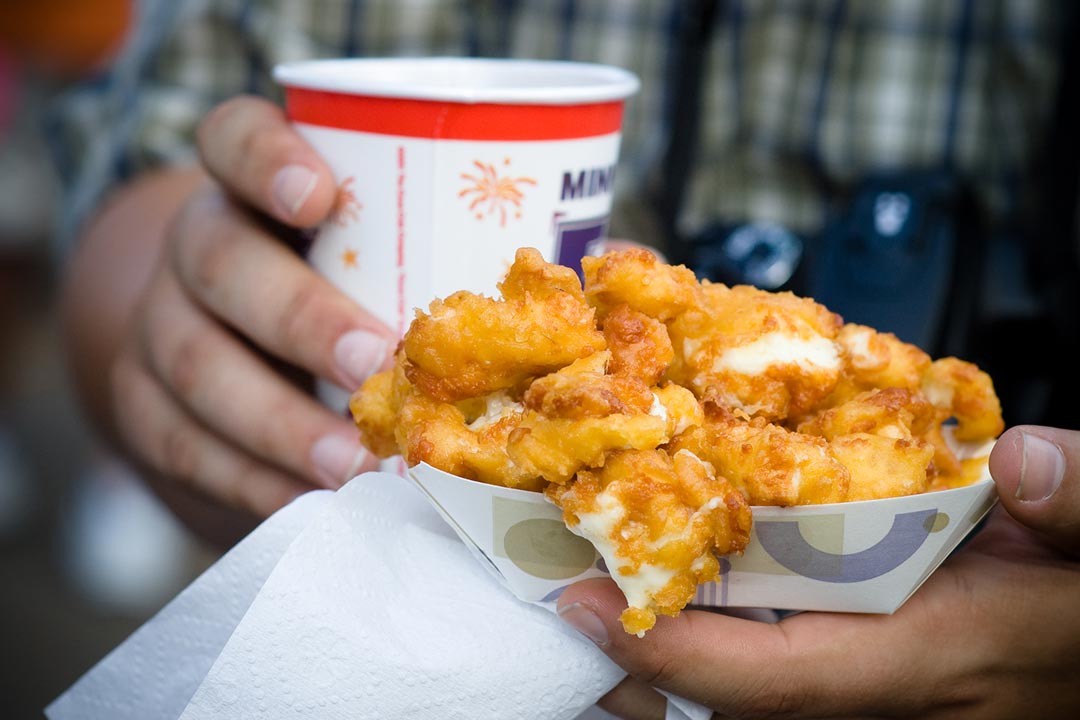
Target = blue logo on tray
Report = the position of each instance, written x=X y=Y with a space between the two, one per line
x=784 y=541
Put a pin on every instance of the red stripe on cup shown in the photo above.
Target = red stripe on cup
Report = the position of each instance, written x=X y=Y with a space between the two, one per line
x=452 y=121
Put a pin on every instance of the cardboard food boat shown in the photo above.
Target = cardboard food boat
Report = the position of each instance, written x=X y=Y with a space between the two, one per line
x=867 y=556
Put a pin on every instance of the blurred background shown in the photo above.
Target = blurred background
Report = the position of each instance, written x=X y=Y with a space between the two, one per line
x=86 y=555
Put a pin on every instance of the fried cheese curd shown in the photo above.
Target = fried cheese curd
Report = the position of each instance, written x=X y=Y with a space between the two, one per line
x=654 y=409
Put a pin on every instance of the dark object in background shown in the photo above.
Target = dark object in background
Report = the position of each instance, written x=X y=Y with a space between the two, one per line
x=763 y=254
x=900 y=258
x=887 y=259
x=908 y=253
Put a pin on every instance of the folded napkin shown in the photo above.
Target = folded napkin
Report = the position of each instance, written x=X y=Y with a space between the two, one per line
x=156 y=670
x=355 y=604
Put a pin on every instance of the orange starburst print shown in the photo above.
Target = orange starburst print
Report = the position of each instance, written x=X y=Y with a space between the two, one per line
x=346 y=207
x=348 y=258
x=491 y=194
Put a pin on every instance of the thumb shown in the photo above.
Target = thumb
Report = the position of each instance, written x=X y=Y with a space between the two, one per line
x=808 y=665
x=688 y=655
x=1037 y=471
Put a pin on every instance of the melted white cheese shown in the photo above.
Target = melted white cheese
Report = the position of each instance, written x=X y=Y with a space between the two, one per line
x=687 y=453
x=939 y=394
x=598 y=527
x=894 y=431
x=796 y=482
x=690 y=347
x=779 y=349
x=658 y=409
x=499 y=405
x=858 y=346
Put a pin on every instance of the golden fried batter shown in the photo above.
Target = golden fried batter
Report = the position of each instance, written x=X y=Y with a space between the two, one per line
x=575 y=416
x=876 y=360
x=585 y=389
x=469 y=345
x=968 y=394
x=768 y=463
x=898 y=424
x=659 y=521
x=654 y=409
x=639 y=279
x=639 y=345
x=880 y=466
x=891 y=412
x=375 y=411
x=440 y=435
x=768 y=354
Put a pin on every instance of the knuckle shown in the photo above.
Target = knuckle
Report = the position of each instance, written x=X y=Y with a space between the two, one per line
x=180 y=454
x=218 y=120
x=308 y=301
x=207 y=266
x=657 y=670
x=125 y=401
x=232 y=486
x=776 y=694
x=183 y=371
x=250 y=489
x=144 y=326
x=200 y=249
x=273 y=433
x=773 y=701
x=264 y=144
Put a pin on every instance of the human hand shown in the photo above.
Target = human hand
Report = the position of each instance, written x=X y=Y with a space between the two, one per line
x=206 y=386
x=994 y=632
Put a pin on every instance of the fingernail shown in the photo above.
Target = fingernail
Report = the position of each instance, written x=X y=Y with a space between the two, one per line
x=1042 y=469
x=586 y=622
x=337 y=458
x=292 y=187
x=358 y=355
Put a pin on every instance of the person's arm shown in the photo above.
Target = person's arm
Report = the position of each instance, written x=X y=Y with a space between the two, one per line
x=994 y=633
x=182 y=307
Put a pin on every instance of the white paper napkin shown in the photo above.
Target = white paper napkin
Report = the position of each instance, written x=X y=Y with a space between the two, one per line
x=156 y=670
x=355 y=604
x=378 y=611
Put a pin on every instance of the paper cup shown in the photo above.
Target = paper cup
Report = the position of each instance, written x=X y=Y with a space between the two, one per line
x=446 y=166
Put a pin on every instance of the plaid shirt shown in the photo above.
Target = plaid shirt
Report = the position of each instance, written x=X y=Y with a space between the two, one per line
x=794 y=96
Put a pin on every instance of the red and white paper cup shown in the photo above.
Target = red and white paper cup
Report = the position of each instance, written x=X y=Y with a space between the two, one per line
x=446 y=166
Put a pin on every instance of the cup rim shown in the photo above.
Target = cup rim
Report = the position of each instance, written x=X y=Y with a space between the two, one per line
x=463 y=80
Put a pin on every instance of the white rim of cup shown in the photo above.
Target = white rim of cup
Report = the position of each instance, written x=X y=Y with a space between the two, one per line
x=464 y=80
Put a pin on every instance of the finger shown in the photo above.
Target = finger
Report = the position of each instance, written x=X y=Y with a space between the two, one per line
x=234 y=393
x=634 y=700
x=1037 y=471
x=593 y=608
x=233 y=268
x=811 y=665
x=173 y=445
x=248 y=145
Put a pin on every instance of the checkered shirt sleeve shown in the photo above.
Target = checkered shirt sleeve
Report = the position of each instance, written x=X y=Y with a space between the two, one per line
x=797 y=96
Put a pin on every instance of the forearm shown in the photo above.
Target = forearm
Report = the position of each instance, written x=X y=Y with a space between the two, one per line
x=105 y=276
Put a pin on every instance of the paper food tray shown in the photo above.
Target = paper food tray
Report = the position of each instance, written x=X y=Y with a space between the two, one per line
x=867 y=556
